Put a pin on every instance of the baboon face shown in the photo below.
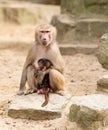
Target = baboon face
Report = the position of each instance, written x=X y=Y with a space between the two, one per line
x=45 y=34
x=43 y=64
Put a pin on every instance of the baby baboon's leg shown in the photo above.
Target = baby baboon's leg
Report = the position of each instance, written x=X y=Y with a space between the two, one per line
x=31 y=80
x=57 y=81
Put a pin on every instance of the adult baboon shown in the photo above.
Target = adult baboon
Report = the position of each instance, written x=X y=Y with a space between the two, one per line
x=45 y=47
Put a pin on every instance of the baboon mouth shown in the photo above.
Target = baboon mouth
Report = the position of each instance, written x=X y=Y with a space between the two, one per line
x=44 y=43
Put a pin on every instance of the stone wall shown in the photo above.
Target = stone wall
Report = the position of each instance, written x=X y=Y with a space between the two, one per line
x=85 y=6
x=72 y=6
x=26 y=13
x=56 y=2
x=81 y=21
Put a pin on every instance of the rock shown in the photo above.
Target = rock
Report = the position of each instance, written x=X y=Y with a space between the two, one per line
x=64 y=24
x=29 y=107
x=102 y=83
x=79 y=29
x=26 y=12
x=57 y=2
x=19 y=14
x=72 y=6
x=102 y=52
x=82 y=21
x=90 y=2
x=90 y=112
x=84 y=6
x=91 y=28
x=69 y=49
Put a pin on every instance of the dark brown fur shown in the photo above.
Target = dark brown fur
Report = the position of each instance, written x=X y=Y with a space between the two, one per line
x=44 y=87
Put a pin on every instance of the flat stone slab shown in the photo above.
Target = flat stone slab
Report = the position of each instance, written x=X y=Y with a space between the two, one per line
x=90 y=112
x=71 y=49
x=29 y=106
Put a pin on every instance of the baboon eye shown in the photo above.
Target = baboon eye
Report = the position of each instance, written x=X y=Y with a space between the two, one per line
x=47 y=31
x=42 y=31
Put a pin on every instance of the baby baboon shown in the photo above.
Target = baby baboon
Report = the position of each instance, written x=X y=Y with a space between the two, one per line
x=44 y=86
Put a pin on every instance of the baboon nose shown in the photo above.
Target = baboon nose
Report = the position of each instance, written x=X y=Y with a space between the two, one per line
x=44 y=39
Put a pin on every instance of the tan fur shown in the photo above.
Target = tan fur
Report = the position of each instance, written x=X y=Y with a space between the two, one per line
x=49 y=51
x=59 y=78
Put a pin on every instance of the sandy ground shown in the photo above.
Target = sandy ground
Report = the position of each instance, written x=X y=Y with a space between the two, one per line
x=82 y=73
